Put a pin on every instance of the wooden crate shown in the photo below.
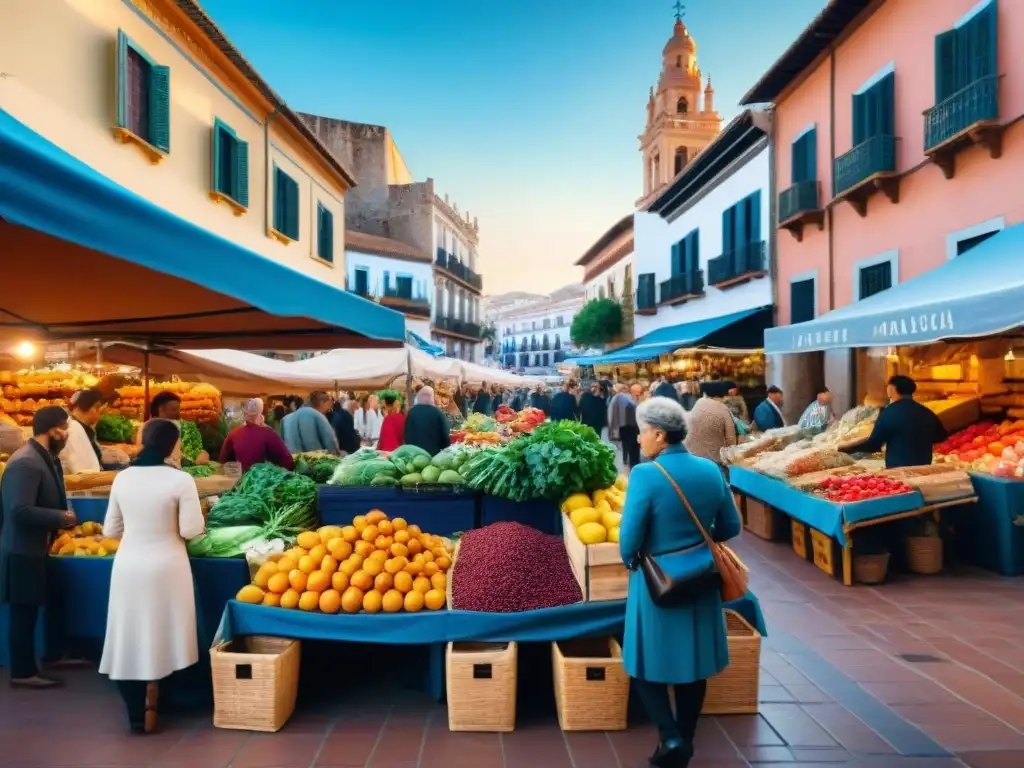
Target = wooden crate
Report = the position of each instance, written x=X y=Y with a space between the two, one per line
x=255 y=682
x=591 y=687
x=798 y=532
x=598 y=567
x=824 y=552
x=481 y=686
x=760 y=519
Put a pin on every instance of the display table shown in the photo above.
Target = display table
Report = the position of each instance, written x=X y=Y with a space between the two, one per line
x=542 y=514
x=989 y=538
x=437 y=628
x=438 y=513
x=90 y=509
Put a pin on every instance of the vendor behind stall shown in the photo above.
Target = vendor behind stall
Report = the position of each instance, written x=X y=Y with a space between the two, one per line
x=818 y=415
x=254 y=442
x=768 y=414
x=82 y=453
x=906 y=429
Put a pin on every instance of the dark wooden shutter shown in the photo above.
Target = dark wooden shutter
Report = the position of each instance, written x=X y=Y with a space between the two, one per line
x=325 y=234
x=875 y=279
x=801 y=301
x=798 y=160
x=693 y=251
x=677 y=258
x=291 y=210
x=160 y=107
x=754 y=217
x=945 y=65
x=121 y=79
x=884 y=99
x=739 y=238
x=728 y=233
x=860 y=118
x=240 y=182
x=977 y=46
x=810 y=155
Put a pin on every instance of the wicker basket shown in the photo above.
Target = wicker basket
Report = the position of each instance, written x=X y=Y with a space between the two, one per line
x=760 y=519
x=591 y=687
x=255 y=682
x=734 y=690
x=870 y=569
x=924 y=554
x=481 y=685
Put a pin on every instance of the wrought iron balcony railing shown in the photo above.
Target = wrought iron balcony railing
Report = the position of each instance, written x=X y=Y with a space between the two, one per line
x=745 y=260
x=872 y=156
x=973 y=104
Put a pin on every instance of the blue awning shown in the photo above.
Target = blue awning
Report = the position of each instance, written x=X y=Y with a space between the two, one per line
x=740 y=330
x=129 y=269
x=423 y=345
x=977 y=294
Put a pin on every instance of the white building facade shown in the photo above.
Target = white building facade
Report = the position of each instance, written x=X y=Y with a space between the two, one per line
x=458 y=285
x=534 y=337
x=702 y=246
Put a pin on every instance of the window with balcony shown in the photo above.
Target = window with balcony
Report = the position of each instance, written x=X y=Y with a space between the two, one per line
x=687 y=280
x=230 y=179
x=143 y=98
x=966 y=107
x=871 y=162
x=646 y=298
x=743 y=247
x=286 y=207
x=799 y=203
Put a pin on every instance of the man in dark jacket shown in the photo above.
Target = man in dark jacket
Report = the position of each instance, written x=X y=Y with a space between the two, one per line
x=768 y=414
x=905 y=428
x=540 y=400
x=482 y=403
x=426 y=425
x=34 y=506
x=517 y=401
x=345 y=428
x=594 y=409
x=564 y=405
x=665 y=389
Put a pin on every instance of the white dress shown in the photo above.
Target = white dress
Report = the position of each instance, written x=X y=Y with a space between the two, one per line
x=151 y=618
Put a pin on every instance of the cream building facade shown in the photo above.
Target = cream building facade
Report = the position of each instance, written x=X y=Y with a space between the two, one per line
x=533 y=334
x=151 y=95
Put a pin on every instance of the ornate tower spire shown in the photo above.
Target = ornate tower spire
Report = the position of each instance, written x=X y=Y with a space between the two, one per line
x=709 y=97
x=680 y=10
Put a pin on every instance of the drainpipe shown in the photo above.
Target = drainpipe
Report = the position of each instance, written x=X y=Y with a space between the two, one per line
x=267 y=221
x=832 y=166
x=773 y=213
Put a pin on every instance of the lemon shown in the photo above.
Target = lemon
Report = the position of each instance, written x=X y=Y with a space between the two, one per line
x=582 y=515
x=592 y=533
x=576 y=501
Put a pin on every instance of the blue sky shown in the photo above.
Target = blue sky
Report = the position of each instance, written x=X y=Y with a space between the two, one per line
x=525 y=113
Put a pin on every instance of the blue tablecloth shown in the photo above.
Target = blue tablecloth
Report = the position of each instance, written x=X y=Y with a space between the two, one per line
x=89 y=509
x=985 y=530
x=542 y=515
x=441 y=514
x=825 y=516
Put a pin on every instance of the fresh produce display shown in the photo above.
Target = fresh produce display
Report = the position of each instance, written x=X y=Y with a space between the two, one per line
x=478 y=439
x=384 y=394
x=191 y=440
x=115 y=429
x=267 y=503
x=85 y=540
x=843 y=490
x=556 y=459
x=374 y=565
x=596 y=517
x=505 y=415
x=405 y=466
x=202 y=470
x=799 y=459
x=318 y=466
x=509 y=568
x=768 y=442
x=200 y=403
x=986 y=447
x=22 y=393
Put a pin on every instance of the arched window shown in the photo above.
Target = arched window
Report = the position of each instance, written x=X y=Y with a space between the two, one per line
x=682 y=106
x=679 y=62
x=680 y=159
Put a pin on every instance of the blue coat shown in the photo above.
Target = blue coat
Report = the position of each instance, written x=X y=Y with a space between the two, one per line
x=766 y=417
x=687 y=643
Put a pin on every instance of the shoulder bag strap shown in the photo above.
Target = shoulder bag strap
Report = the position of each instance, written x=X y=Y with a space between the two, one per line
x=686 y=502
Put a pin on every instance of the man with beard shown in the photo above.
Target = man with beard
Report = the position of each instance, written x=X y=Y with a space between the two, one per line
x=34 y=506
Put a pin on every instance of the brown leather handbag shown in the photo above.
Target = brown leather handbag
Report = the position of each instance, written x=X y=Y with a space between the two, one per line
x=731 y=570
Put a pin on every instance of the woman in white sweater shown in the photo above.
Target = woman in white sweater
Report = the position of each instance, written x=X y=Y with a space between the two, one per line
x=151 y=618
x=368 y=420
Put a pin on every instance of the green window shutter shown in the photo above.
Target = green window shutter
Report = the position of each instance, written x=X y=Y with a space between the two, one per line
x=677 y=258
x=810 y=156
x=739 y=238
x=215 y=158
x=860 y=118
x=279 y=200
x=325 y=237
x=693 y=251
x=977 y=46
x=885 y=106
x=754 y=217
x=728 y=241
x=291 y=208
x=240 y=182
x=121 y=79
x=798 y=160
x=945 y=65
x=160 y=107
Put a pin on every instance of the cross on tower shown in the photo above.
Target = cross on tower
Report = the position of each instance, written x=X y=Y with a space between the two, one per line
x=680 y=10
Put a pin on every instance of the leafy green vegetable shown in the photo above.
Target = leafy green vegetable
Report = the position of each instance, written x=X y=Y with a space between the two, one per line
x=318 y=466
x=114 y=429
x=200 y=470
x=213 y=434
x=262 y=496
x=191 y=440
x=225 y=542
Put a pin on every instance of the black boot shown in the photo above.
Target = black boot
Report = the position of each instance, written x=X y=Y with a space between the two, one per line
x=671 y=754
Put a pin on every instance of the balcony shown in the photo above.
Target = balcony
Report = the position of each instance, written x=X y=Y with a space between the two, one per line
x=404 y=299
x=800 y=205
x=969 y=116
x=867 y=168
x=449 y=326
x=646 y=299
x=681 y=288
x=456 y=269
x=738 y=266
x=559 y=356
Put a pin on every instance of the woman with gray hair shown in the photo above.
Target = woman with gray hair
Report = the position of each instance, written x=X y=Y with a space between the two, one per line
x=685 y=644
x=254 y=442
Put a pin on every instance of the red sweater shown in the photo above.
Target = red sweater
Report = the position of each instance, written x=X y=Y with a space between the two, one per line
x=392 y=432
x=250 y=444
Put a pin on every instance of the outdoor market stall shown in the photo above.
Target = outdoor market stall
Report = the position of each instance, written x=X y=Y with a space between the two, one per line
x=954 y=330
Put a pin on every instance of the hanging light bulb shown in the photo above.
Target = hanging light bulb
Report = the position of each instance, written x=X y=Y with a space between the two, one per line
x=1009 y=357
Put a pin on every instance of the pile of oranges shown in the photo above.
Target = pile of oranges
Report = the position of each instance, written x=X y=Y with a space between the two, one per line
x=373 y=565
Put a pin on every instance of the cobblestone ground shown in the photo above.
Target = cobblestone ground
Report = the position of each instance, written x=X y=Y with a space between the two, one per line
x=919 y=673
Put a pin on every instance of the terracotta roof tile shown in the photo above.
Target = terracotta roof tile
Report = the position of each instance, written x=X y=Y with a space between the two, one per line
x=384 y=246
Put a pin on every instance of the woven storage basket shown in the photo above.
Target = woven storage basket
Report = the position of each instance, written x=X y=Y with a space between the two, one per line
x=870 y=569
x=924 y=554
x=591 y=687
x=761 y=519
x=255 y=682
x=481 y=685
x=734 y=690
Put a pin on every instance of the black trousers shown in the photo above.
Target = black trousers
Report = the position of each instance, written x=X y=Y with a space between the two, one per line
x=22 y=640
x=630 y=445
x=134 y=694
x=689 y=702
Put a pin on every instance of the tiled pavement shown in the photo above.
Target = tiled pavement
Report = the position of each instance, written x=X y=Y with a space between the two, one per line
x=918 y=673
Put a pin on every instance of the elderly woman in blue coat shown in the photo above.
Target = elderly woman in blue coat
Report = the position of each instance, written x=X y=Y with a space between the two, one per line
x=680 y=646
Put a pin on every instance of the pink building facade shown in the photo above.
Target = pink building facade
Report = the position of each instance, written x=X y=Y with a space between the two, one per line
x=898 y=145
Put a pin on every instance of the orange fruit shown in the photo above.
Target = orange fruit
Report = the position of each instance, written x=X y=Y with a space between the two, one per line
x=375 y=516
x=422 y=584
x=372 y=601
x=434 y=600
x=278 y=583
x=399 y=550
x=328 y=564
x=444 y=563
x=297 y=579
x=439 y=552
x=290 y=599
x=392 y=601
x=401 y=536
x=414 y=568
x=318 y=581
x=399 y=524
x=330 y=601
x=272 y=599
x=373 y=566
x=307 y=564
x=359 y=523
x=394 y=565
x=358 y=560
x=297 y=552
x=352 y=600
x=309 y=601
x=307 y=539
x=413 y=601
x=403 y=582
x=286 y=564
x=350 y=534
x=369 y=533
x=262 y=577
x=383 y=542
x=439 y=581
x=414 y=531
x=362 y=580
x=428 y=556
x=328 y=533
x=318 y=553
x=419 y=558
x=385 y=527
x=339 y=549
x=383 y=582
x=379 y=556
x=414 y=546
x=429 y=569
x=339 y=581
x=348 y=567
x=363 y=548
x=250 y=593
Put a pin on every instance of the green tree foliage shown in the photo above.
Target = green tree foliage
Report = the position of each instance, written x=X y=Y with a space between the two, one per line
x=598 y=322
